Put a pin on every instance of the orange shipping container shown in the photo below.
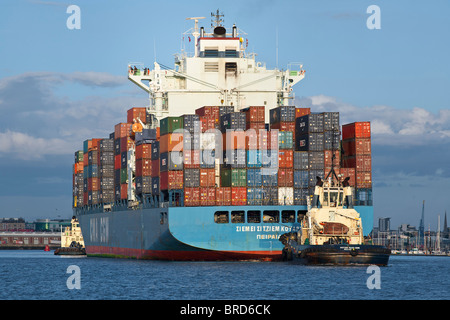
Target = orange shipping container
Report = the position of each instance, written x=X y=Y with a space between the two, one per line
x=223 y=196
x=349 y=172
x=234 y=140
x=78 y=167
x=356 y=130
x=117 y=162
x=171 y=180
x=191 y=159
x=135 y=113
x=191 y=197
x=357 y=146
x=238 y=196
x=300 y=112
x=122 y=130
x=328 y=158
x=207 y=123
x=207 y=178
x=255 y=114
x=124 y=191
x=284 y=126
x=207 y=196
x=363 y=179
x=286 y=158
x=93 y=184
x=171 y=142
x=144 y=151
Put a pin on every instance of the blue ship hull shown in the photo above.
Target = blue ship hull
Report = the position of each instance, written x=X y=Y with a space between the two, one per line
x=191 y=233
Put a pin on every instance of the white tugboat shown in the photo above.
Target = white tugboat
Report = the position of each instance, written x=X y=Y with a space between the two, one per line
x=331 y=231
x=72 y=243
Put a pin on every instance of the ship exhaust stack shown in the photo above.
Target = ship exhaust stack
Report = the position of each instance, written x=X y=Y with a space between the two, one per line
x=234 y=32
x=219 y=32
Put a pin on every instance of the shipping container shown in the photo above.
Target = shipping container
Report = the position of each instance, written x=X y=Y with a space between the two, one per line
x=234 y=140
x=363 y=179
x=254 y=178
x=282 y=114
x=269 y=159
x=117 y=146
x=269 y=179
x=207 y=196
x=171 y=142
x=233 y=121
x=208 y=141
x=285 y=139
x=356 y=130
x=285 y=196
x=207 y=159
x=268 y=140
x=310 y=142
x=331 y=121
x=285 y=177
x=283 y=126
x=191 y=178
x=170 y=125
x=191 y=123
x=329 y=160
x=134 y=114
x=207 y=178
x=301 y=178
x=147 y=135
x=191 y=159
x=300 y=112
x=144 y=185
x=238 y=196
x=192 y=197
x=126 y=143
x=171 y=161
x=356 y=146
x=301 y=160
x=254 y=159
x=300 y=196
x=122 y=130
x=254 y=114
x=316 y=160
x=234 y=158
x=143 y=167
x=331 y=140
x=309 y=123
x=144 y=151
x=172 y=180
x=207 y=123
x=256 y=126
x=208 y=111
x=233 y=177
x=360 y=162
x=349 y=172
x=286 y=159
x=79 y=156
x=223 y=196
x=155 y=150
x=313 y=174
x=270 y=196
x=255 y=196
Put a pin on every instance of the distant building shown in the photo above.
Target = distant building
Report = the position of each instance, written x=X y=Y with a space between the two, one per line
x=47 y=225
x=384 y=224
x=12 y=224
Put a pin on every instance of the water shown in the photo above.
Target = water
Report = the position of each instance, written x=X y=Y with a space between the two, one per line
x=30 y=275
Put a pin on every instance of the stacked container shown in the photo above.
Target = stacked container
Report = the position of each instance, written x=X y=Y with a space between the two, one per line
x=147 y=167
x=356 y=156
x=122 y=142
x=78 y=179
x=106 y=170
x=91 y=171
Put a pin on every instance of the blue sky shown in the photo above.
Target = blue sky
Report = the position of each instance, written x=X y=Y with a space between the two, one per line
x=59 y=87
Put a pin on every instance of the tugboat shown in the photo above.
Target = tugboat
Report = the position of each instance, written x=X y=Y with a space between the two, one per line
x=72 y=243
x=331 y=231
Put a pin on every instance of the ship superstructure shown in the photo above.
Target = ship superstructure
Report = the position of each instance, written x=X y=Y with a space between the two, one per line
x=220 y=164
x=219 y=73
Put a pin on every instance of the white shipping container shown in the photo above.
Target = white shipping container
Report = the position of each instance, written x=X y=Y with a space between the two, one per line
x=286 y=196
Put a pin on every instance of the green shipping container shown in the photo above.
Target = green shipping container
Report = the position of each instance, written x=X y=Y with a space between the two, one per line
x=170 y=124
x=233 y=177
x=285 y=139
x=123 y=175
x=79 y=156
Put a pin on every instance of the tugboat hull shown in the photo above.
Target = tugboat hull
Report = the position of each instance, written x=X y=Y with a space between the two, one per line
x=341 y=255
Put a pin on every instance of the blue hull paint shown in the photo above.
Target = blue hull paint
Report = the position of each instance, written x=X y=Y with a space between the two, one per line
x=162 y=233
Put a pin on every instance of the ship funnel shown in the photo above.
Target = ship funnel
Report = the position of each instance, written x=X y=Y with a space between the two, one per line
x=219 y=32
x=202 y=32
x=234 y=33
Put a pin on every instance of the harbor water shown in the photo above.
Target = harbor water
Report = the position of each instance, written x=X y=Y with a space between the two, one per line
x=30 y=275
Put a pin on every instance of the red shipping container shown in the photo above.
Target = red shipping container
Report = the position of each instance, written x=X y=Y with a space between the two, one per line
x=85 y=160
x=328 y=158
x=363 y=179
x=171 y=180
x=95 y=143
x=356 y=130
x=191 y=159
x=144 y=151
x=135 y=113
x=125 y=143
x=234 y=140
x=349 y=172
x=207 y=178
x=124 y=191
x=300 y=112
x=171 y=142
x=117 y=162
x=209 y=111
x=359 y=162
x=85 y=198
x=238 y=196
x=207 y=196
x=285 y=158
x=223 y=196
x=255 y=126
x=208 y=123
x=144 y=167
x=93 y=184
x=122 y=130
x=191 y=197
x=255 y=114
x=78 y=167
x=284 y=126
x=357 y=146
x=268 y=140
x=286 y=177
x=155 y=168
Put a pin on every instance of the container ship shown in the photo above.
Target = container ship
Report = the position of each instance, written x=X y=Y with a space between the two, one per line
x=219 y=165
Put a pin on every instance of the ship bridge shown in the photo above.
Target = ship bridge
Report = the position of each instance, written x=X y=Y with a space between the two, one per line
x=220 y=72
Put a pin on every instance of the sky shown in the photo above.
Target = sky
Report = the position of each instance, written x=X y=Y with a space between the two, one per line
x=61 y=86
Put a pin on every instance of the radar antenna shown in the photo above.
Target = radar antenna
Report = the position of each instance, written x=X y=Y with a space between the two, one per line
x=217 y=19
